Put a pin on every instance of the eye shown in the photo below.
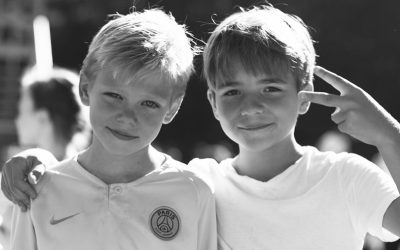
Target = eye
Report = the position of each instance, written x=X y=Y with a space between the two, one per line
x=231 y=92
x=150 y=104
x=271 y=89
x=113 y=95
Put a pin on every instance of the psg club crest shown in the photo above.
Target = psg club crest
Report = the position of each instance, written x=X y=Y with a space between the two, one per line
x=165 y=223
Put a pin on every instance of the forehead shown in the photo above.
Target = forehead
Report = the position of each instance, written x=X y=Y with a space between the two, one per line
x=147 y=83
x=237 y=71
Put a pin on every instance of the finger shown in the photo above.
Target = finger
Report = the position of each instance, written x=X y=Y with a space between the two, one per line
x=26 y=188
x=338 y=117
x=5 y=189
x=322 y=98
x=32 y=162
x=22 y=207
x=18 y=170
x=36 y=174
x=342 y=127
x=336 y=81
x=20 y=197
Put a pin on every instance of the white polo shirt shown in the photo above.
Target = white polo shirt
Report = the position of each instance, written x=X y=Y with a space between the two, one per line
x=169 y=208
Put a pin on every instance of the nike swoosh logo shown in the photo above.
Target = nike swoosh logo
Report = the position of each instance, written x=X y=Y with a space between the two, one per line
x=56 y=221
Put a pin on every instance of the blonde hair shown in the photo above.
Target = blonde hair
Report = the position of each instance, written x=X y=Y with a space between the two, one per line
x=143 y=43
x=262 y=39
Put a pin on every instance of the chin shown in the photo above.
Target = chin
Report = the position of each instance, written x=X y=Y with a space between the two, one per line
x=255 y=144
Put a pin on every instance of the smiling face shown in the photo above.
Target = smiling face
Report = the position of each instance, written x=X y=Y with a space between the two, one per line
x=257 y=111
x=127 y=113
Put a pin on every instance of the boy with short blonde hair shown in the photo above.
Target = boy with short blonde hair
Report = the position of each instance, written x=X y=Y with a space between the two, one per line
x=121 y=193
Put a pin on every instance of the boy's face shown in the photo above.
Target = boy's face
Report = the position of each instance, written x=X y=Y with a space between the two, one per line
x=127 y=114
x=257 y=111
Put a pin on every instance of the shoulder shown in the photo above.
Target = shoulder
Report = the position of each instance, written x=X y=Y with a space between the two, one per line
x=347 y=166
x=185 y=173
x=330 y=158
x=55 y=174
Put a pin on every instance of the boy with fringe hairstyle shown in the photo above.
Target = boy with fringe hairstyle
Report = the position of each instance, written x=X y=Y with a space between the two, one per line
x=122 y=193
x=277 y=194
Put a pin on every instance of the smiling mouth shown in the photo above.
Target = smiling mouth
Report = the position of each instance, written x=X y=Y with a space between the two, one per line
x=121 y=135
x=254 y=127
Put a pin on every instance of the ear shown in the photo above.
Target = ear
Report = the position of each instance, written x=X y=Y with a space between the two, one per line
x=173 y=110
x=305 y=105
x=212 y=101
x=84 y=90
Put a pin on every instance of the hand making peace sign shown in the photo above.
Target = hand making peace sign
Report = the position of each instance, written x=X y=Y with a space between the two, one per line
x=357 y=113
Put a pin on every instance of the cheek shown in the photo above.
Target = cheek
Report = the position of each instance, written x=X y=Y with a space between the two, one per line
x=100 y=108
x=151 y=119
x=226 y=108
x=289 y=111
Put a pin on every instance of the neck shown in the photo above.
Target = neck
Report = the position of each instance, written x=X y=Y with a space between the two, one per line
x=266 y=164
x=120 y=168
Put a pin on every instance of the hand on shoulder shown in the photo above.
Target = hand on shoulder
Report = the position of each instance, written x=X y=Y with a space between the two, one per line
x=21 y=168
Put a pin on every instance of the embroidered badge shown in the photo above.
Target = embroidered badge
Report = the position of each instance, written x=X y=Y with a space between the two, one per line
x=165 y=223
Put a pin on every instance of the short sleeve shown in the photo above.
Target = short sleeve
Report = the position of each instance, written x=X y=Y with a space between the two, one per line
x=370 y=191
x=207 y=223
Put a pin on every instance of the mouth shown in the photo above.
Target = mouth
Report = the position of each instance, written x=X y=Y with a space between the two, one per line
x=122 y=135
x=254 y=127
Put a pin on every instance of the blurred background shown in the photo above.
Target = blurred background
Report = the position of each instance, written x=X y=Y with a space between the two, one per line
x=358 y=39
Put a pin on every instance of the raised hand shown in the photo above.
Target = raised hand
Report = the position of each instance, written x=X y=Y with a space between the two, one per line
x=357 y=113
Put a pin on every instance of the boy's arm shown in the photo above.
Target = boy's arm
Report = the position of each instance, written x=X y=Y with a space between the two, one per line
x=360 y=116
x=20 y=169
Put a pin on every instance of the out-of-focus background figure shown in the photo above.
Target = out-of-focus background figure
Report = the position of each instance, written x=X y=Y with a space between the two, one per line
x=39 y=104
x=50 y=115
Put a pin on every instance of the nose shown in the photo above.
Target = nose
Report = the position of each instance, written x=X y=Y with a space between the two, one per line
x=127 y=115
x=251 y=105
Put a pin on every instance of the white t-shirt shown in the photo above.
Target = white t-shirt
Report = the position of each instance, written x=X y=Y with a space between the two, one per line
x=323 y=201
x=169 y=208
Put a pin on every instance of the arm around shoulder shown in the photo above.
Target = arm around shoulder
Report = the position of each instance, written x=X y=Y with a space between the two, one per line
x=19 y=169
